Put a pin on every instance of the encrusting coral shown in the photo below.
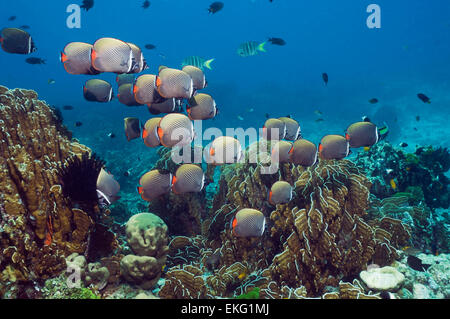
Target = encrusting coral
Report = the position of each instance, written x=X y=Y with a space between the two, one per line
x=38 y=227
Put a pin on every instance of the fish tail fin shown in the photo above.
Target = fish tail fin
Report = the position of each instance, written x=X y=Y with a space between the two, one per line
x=208 y=63
x=261 y=46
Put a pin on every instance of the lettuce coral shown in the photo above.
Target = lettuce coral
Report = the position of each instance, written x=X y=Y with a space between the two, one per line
x=319 y=239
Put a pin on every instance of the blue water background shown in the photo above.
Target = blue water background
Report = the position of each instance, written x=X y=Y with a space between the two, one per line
x=408 y=55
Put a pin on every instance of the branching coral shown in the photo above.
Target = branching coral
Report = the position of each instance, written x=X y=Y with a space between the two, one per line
x=147 y=237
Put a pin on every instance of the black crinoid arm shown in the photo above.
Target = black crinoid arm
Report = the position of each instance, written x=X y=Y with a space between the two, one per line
x=78 y=178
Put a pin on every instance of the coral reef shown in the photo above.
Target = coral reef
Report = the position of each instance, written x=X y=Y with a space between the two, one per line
x=433 y=283
x=57 y=288
x=429 y=229
x=382 y=279
x=147 y=236
x=344 y=230
x=317 y=240
x=143 y=271
x=38 y=226
x=424 y=169
x=325 y=237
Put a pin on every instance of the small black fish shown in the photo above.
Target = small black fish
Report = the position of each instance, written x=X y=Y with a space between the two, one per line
x=403 y=144
x=146 y=4
x=424 y=98
x=87 y=4
x=365 y=119
x=111 y=135
x=35 y=61
x=126 y=174
x=277 y=41
x=415 y=129
x=373 y=101
x=417 y=118
x=68 y=107
x=78 y=124
x=416 y=263
x=212 y=261
x=325 y=78
x=150 y=46
x=25 y=27
x=215 y=7
x=385 y=295
x=12 y=18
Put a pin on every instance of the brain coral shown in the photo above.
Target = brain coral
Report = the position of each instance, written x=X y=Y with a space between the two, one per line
x=37 y=226
x=147 y=236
